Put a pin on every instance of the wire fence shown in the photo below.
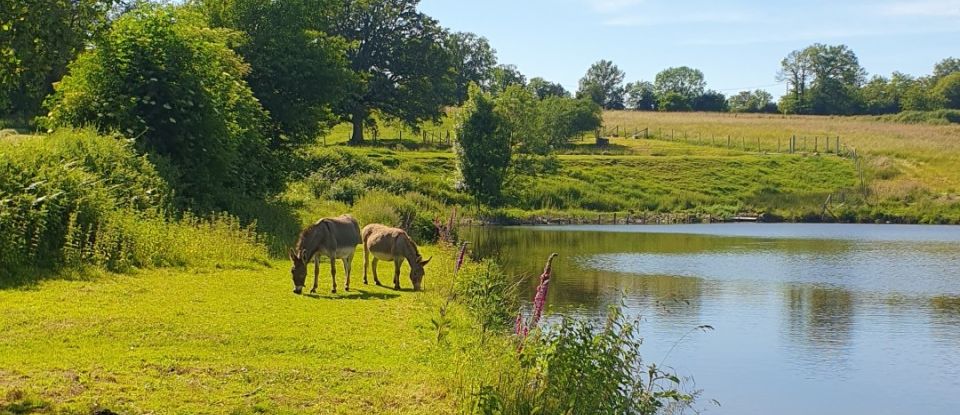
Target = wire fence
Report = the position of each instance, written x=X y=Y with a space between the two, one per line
x=785 y=144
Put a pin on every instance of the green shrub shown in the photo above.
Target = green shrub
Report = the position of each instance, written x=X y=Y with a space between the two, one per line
x=335 y=163
x=161 y=76
x=413 y=212
x=347 y=191
x=50 y=184
x=576 y=368
x=490 y=294
x=938 y=117
x=393 y=182
x=377 y=206
x=75 y=199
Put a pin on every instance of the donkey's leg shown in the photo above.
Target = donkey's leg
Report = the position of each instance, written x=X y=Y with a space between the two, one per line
x=373 y=266
x=316 y=272
x=396 y=273
x=346 y=268
x=366 y=262
x=333 y=273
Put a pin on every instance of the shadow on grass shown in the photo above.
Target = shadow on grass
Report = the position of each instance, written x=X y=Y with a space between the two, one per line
x=27 y=278
x=406 y=144
x=354 y=294
x=19 y=403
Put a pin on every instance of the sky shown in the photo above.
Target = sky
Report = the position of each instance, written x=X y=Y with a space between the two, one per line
x=738 y=44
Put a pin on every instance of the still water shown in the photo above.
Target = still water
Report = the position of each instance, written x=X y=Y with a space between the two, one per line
x=809 y=319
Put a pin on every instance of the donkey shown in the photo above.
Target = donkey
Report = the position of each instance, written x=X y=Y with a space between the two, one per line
x=330 y=237
x=391 y=244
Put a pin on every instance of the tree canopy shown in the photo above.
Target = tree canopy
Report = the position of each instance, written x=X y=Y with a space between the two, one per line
x=544 y=88
x=40 y=37
x=483 y=148
x=397 y=54
x=473 y=61
x=685 y=82
x=641 y=96
x=298 y=72
x=603 y=83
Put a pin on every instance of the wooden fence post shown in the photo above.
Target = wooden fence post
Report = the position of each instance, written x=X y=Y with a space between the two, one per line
x=728 y=141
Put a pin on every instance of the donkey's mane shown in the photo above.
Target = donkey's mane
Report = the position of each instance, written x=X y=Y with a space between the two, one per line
x=303 y=234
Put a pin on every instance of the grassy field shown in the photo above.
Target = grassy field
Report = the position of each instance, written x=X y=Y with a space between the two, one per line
x=724 y=164
x=903 y=159
x=234 y=341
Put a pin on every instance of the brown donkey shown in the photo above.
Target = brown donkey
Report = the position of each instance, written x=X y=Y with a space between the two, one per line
x=334 y=238
x=391 y=244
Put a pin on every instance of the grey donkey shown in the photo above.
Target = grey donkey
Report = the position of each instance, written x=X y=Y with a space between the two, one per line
x=334 y=238
x=391 y=244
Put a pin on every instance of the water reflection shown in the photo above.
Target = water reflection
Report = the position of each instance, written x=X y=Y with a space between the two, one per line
x=837 y=312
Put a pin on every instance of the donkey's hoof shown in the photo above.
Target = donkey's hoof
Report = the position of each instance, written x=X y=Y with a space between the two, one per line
x=396 y=287
x=333 y=291
x=346 y=289
x=313 y=291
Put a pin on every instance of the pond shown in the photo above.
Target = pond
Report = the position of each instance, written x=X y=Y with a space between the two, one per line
x=826 y=319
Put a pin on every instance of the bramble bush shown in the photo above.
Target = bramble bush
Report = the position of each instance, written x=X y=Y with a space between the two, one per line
x=74 y=198
x=164 y=78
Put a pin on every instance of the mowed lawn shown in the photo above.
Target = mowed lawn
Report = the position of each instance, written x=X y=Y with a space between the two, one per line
x=221 y=341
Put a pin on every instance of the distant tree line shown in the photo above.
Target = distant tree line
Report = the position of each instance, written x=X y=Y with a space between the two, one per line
x=820 y=79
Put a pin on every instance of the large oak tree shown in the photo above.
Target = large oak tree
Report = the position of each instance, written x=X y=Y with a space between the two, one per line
x=402 y=68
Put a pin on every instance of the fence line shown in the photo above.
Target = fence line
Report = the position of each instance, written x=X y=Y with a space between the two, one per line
x=795 y=143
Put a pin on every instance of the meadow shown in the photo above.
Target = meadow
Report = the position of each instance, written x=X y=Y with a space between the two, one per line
x=903 y=160
x=235 y=340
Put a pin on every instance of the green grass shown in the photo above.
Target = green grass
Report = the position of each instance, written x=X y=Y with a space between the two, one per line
x=208 y=340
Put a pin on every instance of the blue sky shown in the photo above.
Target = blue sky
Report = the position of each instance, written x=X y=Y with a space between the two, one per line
x=738 y=44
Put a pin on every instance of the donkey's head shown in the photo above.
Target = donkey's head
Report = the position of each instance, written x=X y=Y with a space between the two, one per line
x=416 y=271
x=298 y=270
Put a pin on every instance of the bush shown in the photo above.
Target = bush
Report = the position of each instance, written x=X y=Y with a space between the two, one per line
x=75 y=199
x=163 y=77
x=413 y=212
x=575 y=368
x=49 y=184
x=377 y=206
x=938 y=117
x=335 y=163
x=347 y=191
x=490 y=294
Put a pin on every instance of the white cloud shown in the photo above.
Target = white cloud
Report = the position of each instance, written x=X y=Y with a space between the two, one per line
x=925 y=8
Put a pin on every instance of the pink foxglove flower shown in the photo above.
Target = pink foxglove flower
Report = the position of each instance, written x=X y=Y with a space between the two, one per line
x=460 y=256
x=521 y=328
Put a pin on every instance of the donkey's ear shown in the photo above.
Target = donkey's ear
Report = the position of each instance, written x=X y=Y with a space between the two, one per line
x=291 y=254
x=301 y=254
x=423 y=263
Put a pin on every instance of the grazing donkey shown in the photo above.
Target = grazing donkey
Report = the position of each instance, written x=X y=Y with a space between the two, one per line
x=391 y=244
x=330 y=237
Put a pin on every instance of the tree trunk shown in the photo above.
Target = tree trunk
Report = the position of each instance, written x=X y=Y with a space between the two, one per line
x=357 y=119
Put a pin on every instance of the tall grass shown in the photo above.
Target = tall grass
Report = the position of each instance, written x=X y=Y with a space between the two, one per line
x=75 y=198
x=574 y=367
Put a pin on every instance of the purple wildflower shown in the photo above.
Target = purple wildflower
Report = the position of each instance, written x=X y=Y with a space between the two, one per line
x=521 y=328
x=460 y=256
x=540 y=300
